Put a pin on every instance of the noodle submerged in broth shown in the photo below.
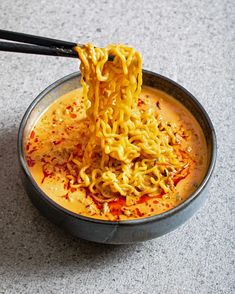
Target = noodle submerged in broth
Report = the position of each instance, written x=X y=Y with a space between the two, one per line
x=114 y=151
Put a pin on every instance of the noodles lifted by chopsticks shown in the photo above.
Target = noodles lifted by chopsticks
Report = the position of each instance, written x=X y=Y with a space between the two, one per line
x=129 y=153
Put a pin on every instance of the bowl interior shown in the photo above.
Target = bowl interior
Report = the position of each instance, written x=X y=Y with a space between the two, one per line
x=72 y=81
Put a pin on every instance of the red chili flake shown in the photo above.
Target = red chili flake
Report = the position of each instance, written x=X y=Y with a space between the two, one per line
x=69 y=107
x=75 y=103
x=140 y=102
x=73 y=115
x=68 y=185
x=57 y=142
x=144 y=199
x=46 y=173
x=30 y=161
x=45 y=158
x=139 y=213
x=116 y=205
x=32 y=135
x=159 y=196
x=33 y=150
x=66 y=196
x=27 y=146
x=155 y=202
x=158 y=105
x=36 y=140
x=72 y=190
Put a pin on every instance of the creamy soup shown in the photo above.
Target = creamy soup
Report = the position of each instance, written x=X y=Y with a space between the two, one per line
x=63 y=126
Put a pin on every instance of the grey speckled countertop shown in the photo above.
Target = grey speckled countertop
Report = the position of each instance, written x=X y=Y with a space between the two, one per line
x=188 y=41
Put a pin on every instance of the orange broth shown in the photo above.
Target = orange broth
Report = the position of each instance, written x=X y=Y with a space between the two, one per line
x=63 y=126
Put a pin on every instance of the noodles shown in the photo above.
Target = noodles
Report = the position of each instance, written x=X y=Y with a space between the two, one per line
x=130 y=152
x=56 y=146
x=112 y=150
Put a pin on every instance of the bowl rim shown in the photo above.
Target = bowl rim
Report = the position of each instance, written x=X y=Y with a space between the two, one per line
x=157 y=217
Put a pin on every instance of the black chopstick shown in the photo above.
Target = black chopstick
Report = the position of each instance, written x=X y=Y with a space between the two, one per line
x=36 y=40
x=38 y=45
x=34 y=49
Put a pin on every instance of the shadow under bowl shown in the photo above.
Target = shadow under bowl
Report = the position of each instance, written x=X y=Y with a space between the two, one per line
x=122 y=232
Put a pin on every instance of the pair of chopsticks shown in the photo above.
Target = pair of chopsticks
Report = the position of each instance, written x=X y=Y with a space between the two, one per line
x=37 y=45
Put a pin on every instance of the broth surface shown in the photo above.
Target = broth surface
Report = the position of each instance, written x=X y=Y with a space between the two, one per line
x=62 y=127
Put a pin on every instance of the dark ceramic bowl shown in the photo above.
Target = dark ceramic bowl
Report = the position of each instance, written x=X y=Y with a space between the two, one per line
x=109 y=232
